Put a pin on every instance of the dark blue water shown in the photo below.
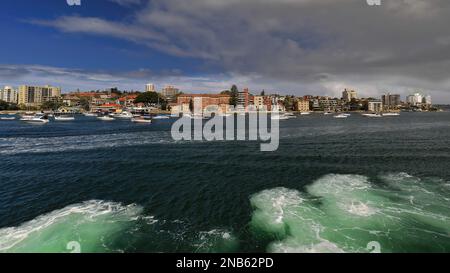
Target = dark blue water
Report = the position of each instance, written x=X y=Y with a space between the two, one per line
x=119 y=186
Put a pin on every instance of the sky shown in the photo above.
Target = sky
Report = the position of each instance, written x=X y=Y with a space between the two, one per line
x=298 y=47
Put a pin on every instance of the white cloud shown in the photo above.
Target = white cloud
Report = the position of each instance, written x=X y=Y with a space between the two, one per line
x=320 y=44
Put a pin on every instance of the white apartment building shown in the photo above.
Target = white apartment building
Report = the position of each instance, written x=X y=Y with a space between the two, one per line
x=8 y=94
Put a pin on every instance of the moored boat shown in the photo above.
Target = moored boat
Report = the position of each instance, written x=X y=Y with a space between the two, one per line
x=105 y=118
x=372 y=115
x=64 y=118
x=341 y=116
x=141 y=120
x=38 y=118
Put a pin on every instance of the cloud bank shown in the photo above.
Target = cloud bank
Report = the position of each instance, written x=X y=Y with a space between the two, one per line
x=296 y=46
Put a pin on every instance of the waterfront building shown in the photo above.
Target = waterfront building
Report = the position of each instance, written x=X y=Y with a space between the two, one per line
x=391 y=101
x=127 y=100
x=329 y=104
x=70 y=100
x=375 y=106
x=34 y=96
x=427 y=100
x=348 y=95
x=243 y=99
x=170 y=92
x=150 y=87
x=185 y=100
x=414 y=99
x=8 y=94
x=258 y=101
x=302 y=106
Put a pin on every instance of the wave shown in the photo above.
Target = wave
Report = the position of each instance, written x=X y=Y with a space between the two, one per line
x=93 y=225
x=344 y=213
x=20 y=145
x=98 y=226
x=215 y=240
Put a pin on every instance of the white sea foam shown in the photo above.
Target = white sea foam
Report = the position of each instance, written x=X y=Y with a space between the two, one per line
x=342 y=213
x=215 y=240
x=19 y=145
x=50 y=232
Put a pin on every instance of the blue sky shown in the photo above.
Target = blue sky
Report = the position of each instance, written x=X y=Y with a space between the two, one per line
x=28 y=43
x=284 y=46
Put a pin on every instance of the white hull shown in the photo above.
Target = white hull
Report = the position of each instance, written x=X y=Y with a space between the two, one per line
x=64 y=118
x=105 y=118
x=138 y=120
x=373 y=115
x=161 y=117
x=341 y=116
x=35 y=120
x=7 y=118
x=391 y=114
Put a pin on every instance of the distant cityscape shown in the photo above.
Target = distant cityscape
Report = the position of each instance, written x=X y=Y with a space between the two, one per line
x=170 y=98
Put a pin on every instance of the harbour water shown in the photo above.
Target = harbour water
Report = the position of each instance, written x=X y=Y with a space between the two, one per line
x=334 y=185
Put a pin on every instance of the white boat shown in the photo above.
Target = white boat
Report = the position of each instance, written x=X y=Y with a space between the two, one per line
x=341 y=116
x=161 y=117
x=279 y=117
x=391 y=114
x=305 y=113
x=373 y=115
x=64 y=118
x=8 y=118
x=89 y=114
x=327 y=113
x=141 y=120
x=224 y=115
x=124 y=115
x=194 y=116
x=35 y=119
x=105 y=118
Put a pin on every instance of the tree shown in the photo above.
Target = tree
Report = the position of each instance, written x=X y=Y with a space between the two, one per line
x=4 y=105
x=263 y=93
x=289 y=102
x=234 y=93
x=148 y=98
x=84 y=103
x=191 y=105
x=51 y=105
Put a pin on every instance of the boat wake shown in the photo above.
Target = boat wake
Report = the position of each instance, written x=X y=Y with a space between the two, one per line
x=94 y=225
x=344 y=213
x=20 y=145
